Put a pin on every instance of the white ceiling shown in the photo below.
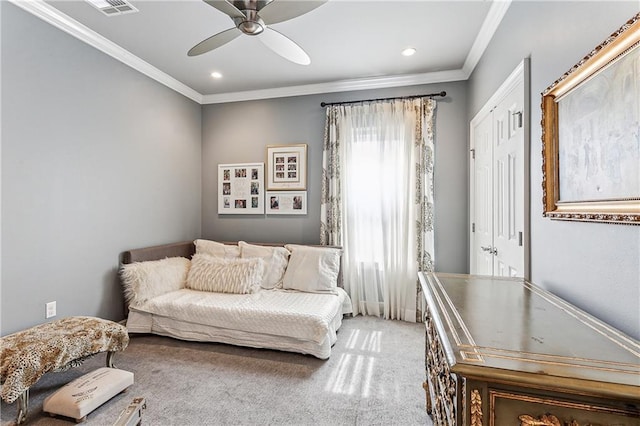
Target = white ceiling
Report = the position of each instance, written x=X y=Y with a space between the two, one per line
x=353 y=44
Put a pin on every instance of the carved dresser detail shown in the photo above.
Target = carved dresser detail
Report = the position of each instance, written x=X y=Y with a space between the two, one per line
x=502 y=351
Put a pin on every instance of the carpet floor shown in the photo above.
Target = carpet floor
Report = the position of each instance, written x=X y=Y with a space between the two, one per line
x=373 y=377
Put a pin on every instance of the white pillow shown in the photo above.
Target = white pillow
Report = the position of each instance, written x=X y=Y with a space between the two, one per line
x=145 y=280
x=216 y=249
x=275 y=262
x=312 y=269
x=208 y=273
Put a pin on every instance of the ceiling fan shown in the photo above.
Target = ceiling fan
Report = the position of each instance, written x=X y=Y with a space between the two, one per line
x=252 y=17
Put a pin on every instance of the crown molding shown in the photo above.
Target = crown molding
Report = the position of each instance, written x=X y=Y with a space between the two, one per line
x=59 y=20
x=337 y=86
x=487 y=30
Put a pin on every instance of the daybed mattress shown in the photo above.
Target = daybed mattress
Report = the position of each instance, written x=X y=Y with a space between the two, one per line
x=275 y=319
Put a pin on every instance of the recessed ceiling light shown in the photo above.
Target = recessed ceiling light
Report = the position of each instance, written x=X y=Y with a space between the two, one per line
x=216 y=74
x=408 y=51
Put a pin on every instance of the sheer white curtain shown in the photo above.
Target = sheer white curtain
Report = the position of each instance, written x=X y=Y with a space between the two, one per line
x=373 y=201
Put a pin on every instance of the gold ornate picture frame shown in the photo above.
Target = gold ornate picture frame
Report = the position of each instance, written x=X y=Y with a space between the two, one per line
x=591 y=135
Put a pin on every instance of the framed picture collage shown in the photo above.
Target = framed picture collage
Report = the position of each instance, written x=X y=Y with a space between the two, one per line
x=242 y=190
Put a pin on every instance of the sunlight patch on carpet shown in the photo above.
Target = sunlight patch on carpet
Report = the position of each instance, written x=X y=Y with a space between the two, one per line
x=355 y=370
x=352 y=376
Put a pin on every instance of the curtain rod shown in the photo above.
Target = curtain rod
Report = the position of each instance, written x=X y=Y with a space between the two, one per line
x=430 y=95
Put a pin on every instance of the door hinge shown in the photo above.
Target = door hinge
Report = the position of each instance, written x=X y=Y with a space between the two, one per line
x=473 y=153
x=519 y=119
x=520 y=239
x=473 y=227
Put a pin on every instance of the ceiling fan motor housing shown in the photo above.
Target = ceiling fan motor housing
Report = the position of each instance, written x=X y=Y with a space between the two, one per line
x=251 y=23
x=247 y=20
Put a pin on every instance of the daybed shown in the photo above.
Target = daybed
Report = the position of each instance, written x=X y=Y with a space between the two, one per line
x=257 y=295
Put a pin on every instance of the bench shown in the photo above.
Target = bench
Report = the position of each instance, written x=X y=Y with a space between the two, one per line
x=55 y=346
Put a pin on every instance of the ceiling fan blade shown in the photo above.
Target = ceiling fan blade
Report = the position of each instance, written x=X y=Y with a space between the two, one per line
x=284 y=46
x=225 y=7
x=214 y=42
x=279 y=11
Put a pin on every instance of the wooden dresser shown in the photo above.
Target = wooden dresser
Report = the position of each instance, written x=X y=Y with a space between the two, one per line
x=504 y=352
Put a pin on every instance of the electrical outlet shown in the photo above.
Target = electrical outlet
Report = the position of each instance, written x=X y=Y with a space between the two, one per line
x=51 y=309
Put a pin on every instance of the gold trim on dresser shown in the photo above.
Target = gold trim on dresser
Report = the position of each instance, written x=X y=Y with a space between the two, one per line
x=425 y=386
x=441 y=386
x=544 y=420
x=476 y=408
x=555 y=405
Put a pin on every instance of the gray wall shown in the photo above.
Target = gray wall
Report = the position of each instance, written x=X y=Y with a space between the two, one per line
x=239 y=132
x=594 y=266
x=96 y=159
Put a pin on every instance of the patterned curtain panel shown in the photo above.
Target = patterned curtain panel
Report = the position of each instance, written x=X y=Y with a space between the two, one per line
x=425 y=154
x=377 y=201
x=331 y=200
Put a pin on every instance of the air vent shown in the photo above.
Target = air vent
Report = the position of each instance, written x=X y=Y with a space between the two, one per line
x=113 y=7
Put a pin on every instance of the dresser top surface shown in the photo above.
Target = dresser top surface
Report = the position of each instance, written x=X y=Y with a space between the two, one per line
x=511 y=325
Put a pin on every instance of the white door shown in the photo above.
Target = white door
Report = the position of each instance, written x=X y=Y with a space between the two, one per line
x=498 y=175
x=508 y=193
x=482 y=175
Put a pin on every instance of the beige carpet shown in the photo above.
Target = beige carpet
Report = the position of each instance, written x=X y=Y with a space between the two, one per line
x=374 y=377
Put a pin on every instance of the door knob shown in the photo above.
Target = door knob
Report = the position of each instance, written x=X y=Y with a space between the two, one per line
x=491 y=250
